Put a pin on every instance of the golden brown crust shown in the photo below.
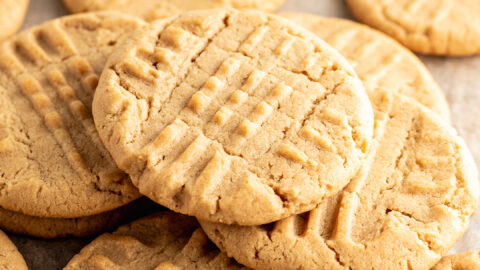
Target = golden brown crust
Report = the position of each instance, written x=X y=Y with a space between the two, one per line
x=233 y=116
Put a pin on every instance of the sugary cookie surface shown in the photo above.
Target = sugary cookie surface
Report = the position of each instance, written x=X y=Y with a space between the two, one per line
x=405 y=209
x=233 y=116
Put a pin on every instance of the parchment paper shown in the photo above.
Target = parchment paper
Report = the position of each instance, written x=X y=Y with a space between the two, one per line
x=458 y=77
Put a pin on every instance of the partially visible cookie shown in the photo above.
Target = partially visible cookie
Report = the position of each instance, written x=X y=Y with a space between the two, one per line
x=151 y=10
x=50 y=228
x=233 y=116
x=405 y=209
x=378 y=60
x=161 y=241
x=447 y=27
x=12 y=13
x=462 y=261
x=52 y=162
x=10 y=258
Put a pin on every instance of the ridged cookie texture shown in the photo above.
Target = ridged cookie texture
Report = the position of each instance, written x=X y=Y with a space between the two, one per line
x=12 y=13
x=462 y=261
x=161 y=241
x=379 y=61
x=151 y=10
x=50 y=228
x=233 y=116
x=52 y=162
x=407 y=206
x=445 y=27
x=10 y=258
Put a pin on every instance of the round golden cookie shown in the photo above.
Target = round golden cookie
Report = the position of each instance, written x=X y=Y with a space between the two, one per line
x=10 y=258
x=161 y=241
x=233 y=116
x=445 y=27
x=12 y=13
x=52 y=162
x=50 y=228
x=405 y=209
x=378 y=60
x=151 y=10
x=462 y=261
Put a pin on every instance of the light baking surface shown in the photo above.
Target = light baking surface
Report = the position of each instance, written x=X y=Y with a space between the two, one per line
x=458 y=77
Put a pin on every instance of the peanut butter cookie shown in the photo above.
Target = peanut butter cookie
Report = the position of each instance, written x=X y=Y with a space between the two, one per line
x=151 y=10
x=52 y=162
x=233 y=116
x=160 y=241
x=445 y=27
x=12 y=13
x=10 y=258
x=50 y=228
x=462 y=261
x=378 y=60
x=405 y=209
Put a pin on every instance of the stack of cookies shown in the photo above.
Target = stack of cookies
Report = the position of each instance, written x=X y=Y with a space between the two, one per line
x=272 y=146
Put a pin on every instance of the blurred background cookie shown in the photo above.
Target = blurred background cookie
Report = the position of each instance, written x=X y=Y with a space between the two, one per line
x=10 y=258
x=445 y=27
x=158 y=9
x=12 y=13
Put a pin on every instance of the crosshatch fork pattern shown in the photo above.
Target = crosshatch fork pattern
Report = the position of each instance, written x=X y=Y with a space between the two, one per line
x=406 y=207
x=49 y=100
x=200 y=123
x=194 y=160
